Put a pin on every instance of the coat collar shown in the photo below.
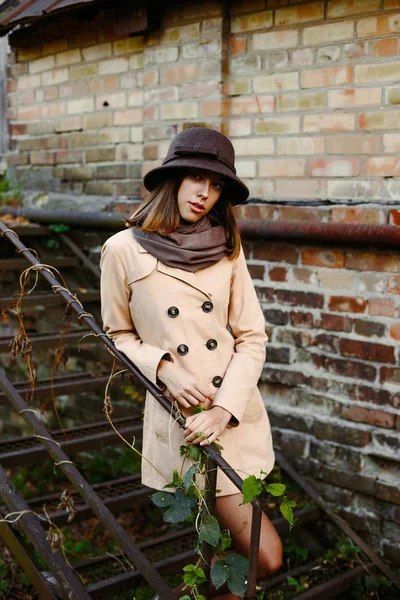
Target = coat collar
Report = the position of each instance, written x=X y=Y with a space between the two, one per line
x=185 y=276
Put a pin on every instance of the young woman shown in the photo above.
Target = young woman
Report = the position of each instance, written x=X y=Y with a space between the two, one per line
x=178 y=301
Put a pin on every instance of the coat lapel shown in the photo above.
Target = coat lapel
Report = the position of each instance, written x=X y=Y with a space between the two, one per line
x=185 y=276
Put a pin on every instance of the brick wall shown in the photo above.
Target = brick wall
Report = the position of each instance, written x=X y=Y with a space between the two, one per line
x=311 y=97
x=310 y=101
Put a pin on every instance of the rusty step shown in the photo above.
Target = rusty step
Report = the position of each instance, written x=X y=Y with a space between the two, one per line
x=169 y=553
x=45 y=340
x=11 y=264
x=64 y=384
x=25 y=230
x=28 y=449
x=122 y=493
x=46 y=299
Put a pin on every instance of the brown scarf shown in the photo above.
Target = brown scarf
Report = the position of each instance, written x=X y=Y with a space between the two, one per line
x=191 y=247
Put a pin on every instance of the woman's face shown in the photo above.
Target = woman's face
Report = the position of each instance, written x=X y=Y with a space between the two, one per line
x=197 y=194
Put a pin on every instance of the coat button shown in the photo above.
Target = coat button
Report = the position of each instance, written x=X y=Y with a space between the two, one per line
x=217 y=381
x=207 y=306
x=212 y=344
x=182 y=349
x=173 y=312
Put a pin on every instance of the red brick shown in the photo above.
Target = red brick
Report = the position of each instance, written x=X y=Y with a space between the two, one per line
x=387 y=47
x=323 y=258
x=369 y=328
x=334 y=323
x=327 y=77
x=333 y=167
x=303 y=275
x=394 y=216
x=378 y=418
x=238 y=45
x=367 y=351
x=383 y=167
x=369 y=261
x=364 y=216
x=395 y=331
x=347 y=304
x=393 y=285
x=294 y=213
x=180 y=74
x=302 y=319
x=380 y=307
x=345 y=368
x=328 y=343
x=275 y=253
x=390 y=375
x=297 y=298
x=278 y=274
x=42 y=158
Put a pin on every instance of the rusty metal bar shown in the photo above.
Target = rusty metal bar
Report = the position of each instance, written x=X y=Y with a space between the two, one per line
x=65 y=384
x=46 y=299
x=351 y=234
x=341 y=523
x=87 y=493
x=90 y=438
x=45 y=340
x=207 y=550
x=79 y=254
x=70 y=586
x=254 y=551
x=21 y=556
x=90 y=322
x=336 y=585
x=10 y=264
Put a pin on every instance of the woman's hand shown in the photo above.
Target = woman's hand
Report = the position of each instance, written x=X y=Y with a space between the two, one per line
x=205 y=427
x=187 y=389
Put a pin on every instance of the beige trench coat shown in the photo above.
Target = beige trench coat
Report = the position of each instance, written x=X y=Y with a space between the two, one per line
x=138 y=292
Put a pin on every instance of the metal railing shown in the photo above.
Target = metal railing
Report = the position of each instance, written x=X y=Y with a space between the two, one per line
x=215 y=460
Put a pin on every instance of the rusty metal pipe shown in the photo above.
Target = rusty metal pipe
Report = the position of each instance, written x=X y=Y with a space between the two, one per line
x=254 y=551
x=351 y=234
x=70 y=586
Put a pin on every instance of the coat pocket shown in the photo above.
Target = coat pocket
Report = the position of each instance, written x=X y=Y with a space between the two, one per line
x=254 y=409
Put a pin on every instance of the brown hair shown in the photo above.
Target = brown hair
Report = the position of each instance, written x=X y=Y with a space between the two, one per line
x=159 y=212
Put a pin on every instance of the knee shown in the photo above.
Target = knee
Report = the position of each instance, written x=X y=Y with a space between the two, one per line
x=270 y=561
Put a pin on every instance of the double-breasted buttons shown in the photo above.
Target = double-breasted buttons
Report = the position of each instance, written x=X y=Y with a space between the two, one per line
x=182 y=349
x=207 y=306
x=217 y=381
x=212 y=344
x=173 y=312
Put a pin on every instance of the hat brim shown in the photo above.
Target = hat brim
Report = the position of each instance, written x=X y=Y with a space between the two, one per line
x=238 y=191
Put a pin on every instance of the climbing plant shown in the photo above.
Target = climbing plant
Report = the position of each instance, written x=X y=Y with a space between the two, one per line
x=186 y=502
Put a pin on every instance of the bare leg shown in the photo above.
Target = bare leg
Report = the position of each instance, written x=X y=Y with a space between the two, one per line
x=237 y=519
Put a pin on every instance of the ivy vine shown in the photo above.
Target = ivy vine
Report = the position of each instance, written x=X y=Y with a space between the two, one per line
x=186 y=503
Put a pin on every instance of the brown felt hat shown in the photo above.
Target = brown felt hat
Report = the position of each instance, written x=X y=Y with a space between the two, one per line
x=201 y=148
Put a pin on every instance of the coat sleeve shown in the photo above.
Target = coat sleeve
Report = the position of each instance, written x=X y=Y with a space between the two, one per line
x=247 y=323
x=116 y=316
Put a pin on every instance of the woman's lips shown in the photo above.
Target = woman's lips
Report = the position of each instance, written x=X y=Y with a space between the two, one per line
x=197 y=208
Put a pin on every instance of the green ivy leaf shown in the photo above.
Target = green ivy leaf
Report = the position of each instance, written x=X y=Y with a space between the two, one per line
x=188 y=478
x=237 y=580
x=232 y=570
x=180 y=507
x=190 y=451
x=286 y=508
x=225 y=542
x=292 y=581
x=161 y=499
x=275 y=489
x=210 y=531
x=252 y=487
x=219 y=573
x=194 y=575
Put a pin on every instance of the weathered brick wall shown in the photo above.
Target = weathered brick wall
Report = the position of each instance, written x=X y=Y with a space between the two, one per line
x=332 y=376
x=309 y=100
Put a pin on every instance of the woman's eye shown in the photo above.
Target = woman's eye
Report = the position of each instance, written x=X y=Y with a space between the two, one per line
x=217 y=185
